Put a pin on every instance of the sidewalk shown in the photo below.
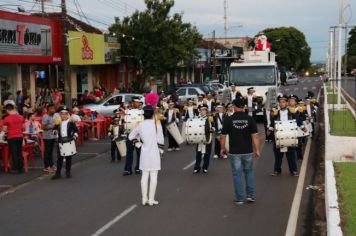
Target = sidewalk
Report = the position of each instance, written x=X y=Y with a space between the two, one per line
x=89 y=150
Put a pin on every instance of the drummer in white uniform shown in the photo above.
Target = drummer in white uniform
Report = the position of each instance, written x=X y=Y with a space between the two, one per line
x=283 y=114
x=152 y=139
x=67 y=133
x=203 y=150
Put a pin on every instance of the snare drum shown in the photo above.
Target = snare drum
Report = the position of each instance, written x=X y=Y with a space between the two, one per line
x=197 y=131
x=133 y=118
x=286 y=134
x=67 y=149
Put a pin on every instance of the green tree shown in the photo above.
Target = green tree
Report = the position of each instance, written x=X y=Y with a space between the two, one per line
x=161 y=40
x=351 y=50
x=290 y=46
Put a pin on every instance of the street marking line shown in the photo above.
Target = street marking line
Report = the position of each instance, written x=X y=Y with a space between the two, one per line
x=314 y=88
x=189 y=165
x=5 y=186
x=294 y=212
x=287 y=89
x=305 y=88
x=295 y=89
x=114 y=221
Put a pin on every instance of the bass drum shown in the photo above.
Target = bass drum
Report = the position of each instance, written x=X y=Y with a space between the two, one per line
x=174 y=131
x=121 y=146
x=67 y=149
x=197 y=131
x=286 y=134
x=133 y=118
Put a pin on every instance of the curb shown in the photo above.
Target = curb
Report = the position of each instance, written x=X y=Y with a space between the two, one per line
x=331 y=201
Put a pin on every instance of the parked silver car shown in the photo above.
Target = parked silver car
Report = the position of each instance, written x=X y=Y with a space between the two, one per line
x=188 y=92
x=107 y=106
x=292 y=80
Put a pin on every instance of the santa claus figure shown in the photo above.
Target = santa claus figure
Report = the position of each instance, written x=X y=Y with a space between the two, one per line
x=262 y=43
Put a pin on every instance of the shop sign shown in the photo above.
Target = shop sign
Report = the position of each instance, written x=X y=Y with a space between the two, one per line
x=112 y=50
x=22 y=38
x=86 y=48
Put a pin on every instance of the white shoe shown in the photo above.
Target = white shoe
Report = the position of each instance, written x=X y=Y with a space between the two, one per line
x=177 y=149
x=169 y=149
x=152 y=203
x=215 y=156
x=151 y=194
x=225 y=156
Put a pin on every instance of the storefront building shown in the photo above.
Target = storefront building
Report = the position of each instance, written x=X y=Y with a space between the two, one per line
x=94 y=60
x=30 y=52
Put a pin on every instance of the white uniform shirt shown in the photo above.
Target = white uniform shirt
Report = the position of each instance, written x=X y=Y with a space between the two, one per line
x=208 y=103
x=284 y=115
x=150 y=135
x=233 y=95
x=191 y=112
x=170 y=115
x=64 y=129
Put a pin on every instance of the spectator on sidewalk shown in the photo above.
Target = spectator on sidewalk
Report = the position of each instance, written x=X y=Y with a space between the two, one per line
x=26 y=107
x=49 y=138
x=244 y=145
x=14 y=126
x=31 y=124
x=19 y=99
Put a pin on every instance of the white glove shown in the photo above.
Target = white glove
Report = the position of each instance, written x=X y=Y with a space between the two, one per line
x=138 y=144
x=177 y=120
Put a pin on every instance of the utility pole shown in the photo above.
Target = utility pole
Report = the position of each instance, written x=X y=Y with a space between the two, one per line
x=345 y=59
x=331 y=55
x=225 y=20
x=42 y=7
x=66 y=64
x=341 y=25
x=214 y=59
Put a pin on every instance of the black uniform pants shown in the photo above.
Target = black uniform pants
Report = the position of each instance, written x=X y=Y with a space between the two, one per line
x=115 y=152
x=171 y=141
x=217 y=148
x=60 y=164
x=130 y=156
x=206 y=158
x=15 y=147
x=48 y=152
x=291 y=158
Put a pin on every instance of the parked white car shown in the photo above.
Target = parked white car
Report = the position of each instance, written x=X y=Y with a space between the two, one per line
x=187 y=92
x=107 y=106
x=292 y=80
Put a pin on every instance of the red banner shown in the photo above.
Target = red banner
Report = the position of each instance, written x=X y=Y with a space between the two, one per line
x=30 y=39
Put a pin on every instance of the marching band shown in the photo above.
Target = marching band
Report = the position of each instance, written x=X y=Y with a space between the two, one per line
x=288 y=123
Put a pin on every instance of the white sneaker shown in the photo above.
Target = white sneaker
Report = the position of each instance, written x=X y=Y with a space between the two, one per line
x=152 y=202
x=215 y=156
x=169 y=149
x=225 y=156
x=177 y=149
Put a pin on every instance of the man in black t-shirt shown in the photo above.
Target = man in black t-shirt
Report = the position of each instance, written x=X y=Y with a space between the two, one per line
x=243 y=146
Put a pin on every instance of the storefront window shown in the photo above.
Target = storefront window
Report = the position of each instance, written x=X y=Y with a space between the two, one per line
x=7 y=80
x=82 y=81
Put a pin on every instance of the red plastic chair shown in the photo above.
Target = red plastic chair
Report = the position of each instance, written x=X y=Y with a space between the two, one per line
x=27 y=153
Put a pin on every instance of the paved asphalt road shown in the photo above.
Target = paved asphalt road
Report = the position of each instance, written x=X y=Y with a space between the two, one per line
x=190 y=204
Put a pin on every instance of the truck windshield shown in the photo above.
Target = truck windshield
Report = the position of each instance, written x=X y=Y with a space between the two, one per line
x=253 y=75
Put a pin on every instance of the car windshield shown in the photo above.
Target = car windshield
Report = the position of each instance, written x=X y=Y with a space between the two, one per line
x=253 y=76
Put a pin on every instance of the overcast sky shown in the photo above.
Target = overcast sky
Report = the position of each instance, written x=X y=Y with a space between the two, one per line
x=313 y=17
